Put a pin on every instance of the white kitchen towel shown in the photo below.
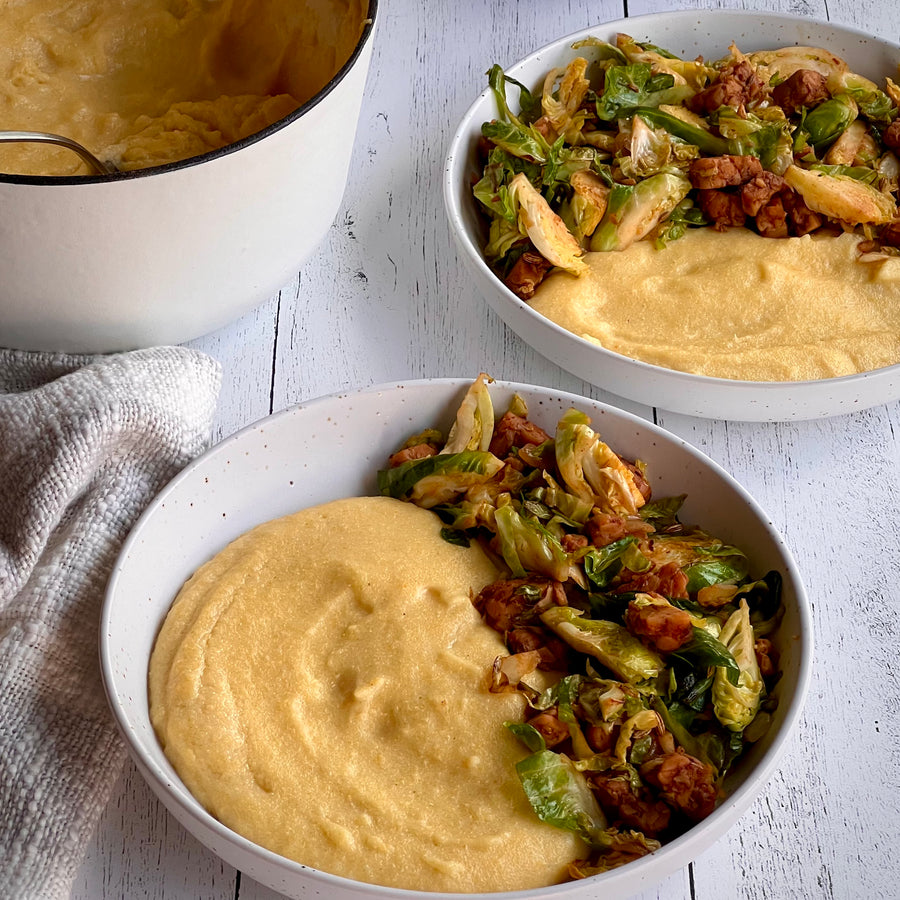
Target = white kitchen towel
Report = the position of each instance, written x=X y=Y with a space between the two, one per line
x=85 y=444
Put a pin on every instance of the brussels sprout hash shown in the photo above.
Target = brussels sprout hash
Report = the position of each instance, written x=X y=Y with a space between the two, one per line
x=652 y=633
x=629 y=142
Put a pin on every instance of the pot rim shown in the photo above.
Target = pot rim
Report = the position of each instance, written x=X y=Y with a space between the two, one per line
x=299 y=112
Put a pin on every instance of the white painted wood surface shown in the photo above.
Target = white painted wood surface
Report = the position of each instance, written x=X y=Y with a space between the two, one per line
x=387 y=298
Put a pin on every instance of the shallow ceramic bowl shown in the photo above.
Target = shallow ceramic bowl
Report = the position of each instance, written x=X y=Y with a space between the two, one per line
x=686 y=34
x=331 y=448
x=166 y=254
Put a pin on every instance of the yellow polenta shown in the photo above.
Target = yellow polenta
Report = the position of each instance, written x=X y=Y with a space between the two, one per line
x=737 y=305
x=321 y=688
x=143 y=82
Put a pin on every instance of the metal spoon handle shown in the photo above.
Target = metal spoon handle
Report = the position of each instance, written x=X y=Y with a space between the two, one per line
x=44 y=137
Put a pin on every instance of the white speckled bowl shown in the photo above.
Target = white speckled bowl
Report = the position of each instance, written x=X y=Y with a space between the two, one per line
x=683 y=33
x=331 y=448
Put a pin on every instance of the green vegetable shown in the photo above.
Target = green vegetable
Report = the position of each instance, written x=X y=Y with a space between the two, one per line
x=680 y=731
x=764 y=599
x=841 y=197
x=573 y=509
x=474 y=425
x=438 y=479
x=664 y=511
x=492 y=189
x=529 y=104
x=602 y=564
x=859 y=173
x=457 y=538
x=684 y=216
x=824 y=124
x=874 y=104
x=567 y=692
x=634 y=211
x=563 y=163
x=628 y=87
x=527 y=546
x=591 y=470
x=518 y=406
x=616 y=849
x=689 y=72
x=735 y=702
x=528 y=735
x=703 y=651
x=719 y=563
x=603 y=49
x=705 y=140
x=560 y=794
x=704 y=559
x=767 y=135
x=523 y=142
x=651 y=151
x=616 y=647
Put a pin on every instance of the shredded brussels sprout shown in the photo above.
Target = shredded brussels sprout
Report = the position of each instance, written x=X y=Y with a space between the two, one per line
x=628 y=142
x=648 y=628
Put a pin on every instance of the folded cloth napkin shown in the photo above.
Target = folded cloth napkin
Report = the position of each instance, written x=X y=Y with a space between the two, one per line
x=85 y=444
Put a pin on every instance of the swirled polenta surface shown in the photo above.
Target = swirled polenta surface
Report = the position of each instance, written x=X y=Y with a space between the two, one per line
x=736 y=305
x=146 y=82
x=321 y=688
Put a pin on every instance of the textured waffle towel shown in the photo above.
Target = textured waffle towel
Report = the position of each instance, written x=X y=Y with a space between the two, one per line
x=85 y=444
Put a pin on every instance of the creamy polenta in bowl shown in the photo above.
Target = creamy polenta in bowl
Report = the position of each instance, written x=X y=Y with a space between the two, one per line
x=225 y=131
x=147 y=83
x=317 y=683
x=699 y=212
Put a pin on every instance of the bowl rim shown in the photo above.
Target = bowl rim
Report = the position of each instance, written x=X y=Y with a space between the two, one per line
x=148 y=171
x=457 y=153
x=673 y=855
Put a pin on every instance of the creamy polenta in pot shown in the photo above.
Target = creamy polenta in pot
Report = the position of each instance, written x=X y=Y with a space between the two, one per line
x=321 y=687
x=145 y=82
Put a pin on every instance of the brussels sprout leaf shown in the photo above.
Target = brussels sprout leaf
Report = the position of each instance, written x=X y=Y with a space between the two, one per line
x=628 y=87
x=720 y=563
x=703 y=651
x=435 y=479
x=528 y=103
x=528 y=735
x=452 y=536
x=616 y=647
x=602 y=564
x=664 y=511
x=527 y=546
x=560 y=794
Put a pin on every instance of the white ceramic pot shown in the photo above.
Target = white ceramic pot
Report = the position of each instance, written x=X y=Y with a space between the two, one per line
x=686 y=34
x=164 y=255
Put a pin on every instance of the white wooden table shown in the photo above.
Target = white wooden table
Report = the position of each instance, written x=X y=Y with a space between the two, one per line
x=387 y=298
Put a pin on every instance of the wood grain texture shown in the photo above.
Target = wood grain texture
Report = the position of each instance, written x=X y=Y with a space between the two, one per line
x=387 y=298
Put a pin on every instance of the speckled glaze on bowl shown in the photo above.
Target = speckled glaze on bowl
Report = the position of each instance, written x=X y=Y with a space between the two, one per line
x=686 y=34
x=331 y=448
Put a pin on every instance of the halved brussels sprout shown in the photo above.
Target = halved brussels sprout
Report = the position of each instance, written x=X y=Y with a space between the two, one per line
x=591 y=470
x=527 y=546
x=841 y=197
x=736 y=706
x=634 y=211
x=546 y=229
x=474 y=425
